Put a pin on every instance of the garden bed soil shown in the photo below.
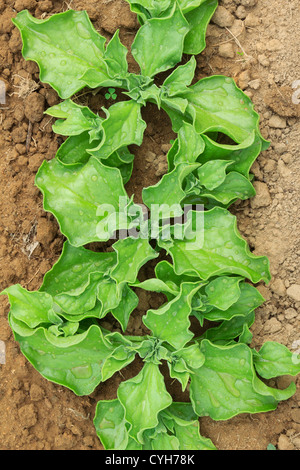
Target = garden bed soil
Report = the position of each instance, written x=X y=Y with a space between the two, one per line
x=257 y=43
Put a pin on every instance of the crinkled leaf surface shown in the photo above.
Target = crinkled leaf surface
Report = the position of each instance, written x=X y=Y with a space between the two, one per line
x=82 y=200
x=222 y=250
x=64 y=46
x=143 y=397
x=74 y=362
x=227 y=385
x=110 y=425
x=274 y=359
x=169 y=189
x=123 y=126
x=217 y=104
x=132 y=254
x=198 y=19
x=73 y=118
x=170 y=322
x=158 y=44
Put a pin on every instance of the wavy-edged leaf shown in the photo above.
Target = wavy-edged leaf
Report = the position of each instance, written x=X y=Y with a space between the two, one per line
x=226 y=385
x=132 y=254
x=64 y=46
x=128 y=303
x=110 y=425
x=198 y=19
x=249 y=300
x=235 y=328
x=82 y=201
x=180 y=78
x=143 y=397
x=122 y=127
x=158 y=45
x=73 y=119
x=171 y=322
x=216 y=104
x=274 y=359
x=186 y=148
x=74 y=362
x=216 y=248
x=32 y=308
x=169 y=189
x=115 y=57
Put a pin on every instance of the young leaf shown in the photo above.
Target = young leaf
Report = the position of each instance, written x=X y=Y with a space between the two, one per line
x=64 y=46
x=110 y=425
x=180 y=78
x=158 y=45
x=219 y=249
x=143 y=397
x=90 y=196
x=123 y=126
x=198 y=19
x=226 y=385
x=170 y=322
x=73 y=118
x=74 y=362
x=274 y=359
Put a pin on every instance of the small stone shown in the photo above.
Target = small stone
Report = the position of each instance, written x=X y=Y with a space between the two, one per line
x=280 y=148
x=272 y=325
x=277 y=122
x=284 y=443
x=166 y=147
x=295 y=414
x=19 y=135
x=150 y=157
x=290 y=313
x=278 y=287
x=226 y=50
x=251 y=20
x=241 y=12
x=27 y=416
x=223 y=17
x=36 y=392
x=294 y=292
x=263 y=60
x=254 y=84
x=34 y=107
x=249 y=3
x=282 y=168
x=262 y=198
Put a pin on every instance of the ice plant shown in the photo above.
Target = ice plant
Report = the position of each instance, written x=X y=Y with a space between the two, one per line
x=210 y=276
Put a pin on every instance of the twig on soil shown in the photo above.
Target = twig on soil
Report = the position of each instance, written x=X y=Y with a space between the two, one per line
x=29 y=137
x=27 y=284
x=238 y=42
x=79 y=415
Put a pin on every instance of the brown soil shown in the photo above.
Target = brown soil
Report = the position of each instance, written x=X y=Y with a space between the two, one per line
x=254 y=41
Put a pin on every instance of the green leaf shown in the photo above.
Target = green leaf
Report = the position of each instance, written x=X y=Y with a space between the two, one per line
x=132 y=254
x=187 y=147
x=242 y=156
x=158 y=45
x=186 y=427
x=217 y=104
x=213 y=173
x=236 y=327
x=216 y=248
x=223 y=292
x=180 y=78
x=64 y=46
x=169 y=189
x=74 y=362
x=32 y=308
x=274 y=359
x=198 y=19
x=226 y=385
x=250 y=299
x=85 y=202
x=143 y=397
x=73 y=118
x=110 y=425
x=116 y=58
x=170 y=322
x=123 y=126
x=128 y=303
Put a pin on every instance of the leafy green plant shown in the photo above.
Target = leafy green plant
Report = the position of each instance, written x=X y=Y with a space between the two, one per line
x=211 y=276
